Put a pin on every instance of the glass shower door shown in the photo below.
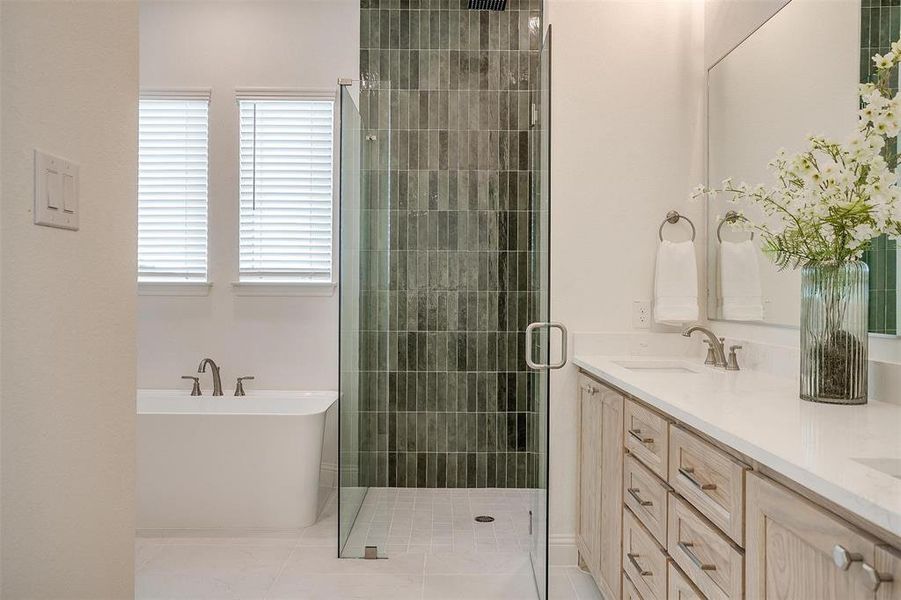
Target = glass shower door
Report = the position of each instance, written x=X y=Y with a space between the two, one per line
x=363 y=324
x=538 y=334
x=351 y=491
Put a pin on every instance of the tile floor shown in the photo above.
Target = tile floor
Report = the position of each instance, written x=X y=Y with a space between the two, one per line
x=438 y=562
x=402 y=520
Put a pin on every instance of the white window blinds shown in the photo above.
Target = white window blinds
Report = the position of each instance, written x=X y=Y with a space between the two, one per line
x=286 y=190
x=172 y=189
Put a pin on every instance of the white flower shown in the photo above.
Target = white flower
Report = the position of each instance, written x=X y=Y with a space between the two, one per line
x=699 y=191
x=863 y=233
x=884 y=62
x=875 y=143
x=866 y=115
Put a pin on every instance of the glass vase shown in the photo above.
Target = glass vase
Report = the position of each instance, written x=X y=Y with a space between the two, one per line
x=834 y=337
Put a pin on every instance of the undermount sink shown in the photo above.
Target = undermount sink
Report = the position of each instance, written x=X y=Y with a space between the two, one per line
x=889 y=466
x=656 y=366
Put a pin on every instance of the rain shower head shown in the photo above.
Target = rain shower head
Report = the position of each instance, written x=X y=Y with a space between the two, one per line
x=487 y=4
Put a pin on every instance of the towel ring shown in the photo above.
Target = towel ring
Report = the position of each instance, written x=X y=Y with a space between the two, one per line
x=730 y=217
x=672 y=217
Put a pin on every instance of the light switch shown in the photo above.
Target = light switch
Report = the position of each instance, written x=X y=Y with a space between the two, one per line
x=55 y=191
x=70 y=194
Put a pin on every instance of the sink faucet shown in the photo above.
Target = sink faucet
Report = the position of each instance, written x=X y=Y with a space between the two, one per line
x=715 y=343
x=214 y=369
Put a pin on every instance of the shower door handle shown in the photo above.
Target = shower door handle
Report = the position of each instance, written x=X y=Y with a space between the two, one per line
x=530 y=330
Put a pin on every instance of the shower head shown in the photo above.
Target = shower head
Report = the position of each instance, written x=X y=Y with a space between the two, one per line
x=487 y=4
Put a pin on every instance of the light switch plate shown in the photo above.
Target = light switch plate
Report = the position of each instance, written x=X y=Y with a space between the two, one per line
x=55 y=191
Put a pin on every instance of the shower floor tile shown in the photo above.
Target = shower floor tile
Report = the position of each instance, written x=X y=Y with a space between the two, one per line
x=452 y=557
x=442 y=521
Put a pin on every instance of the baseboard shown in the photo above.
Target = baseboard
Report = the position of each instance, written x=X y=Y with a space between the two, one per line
x=562 y=550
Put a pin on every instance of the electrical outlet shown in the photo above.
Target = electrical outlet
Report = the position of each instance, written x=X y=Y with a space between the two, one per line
x=641 y=314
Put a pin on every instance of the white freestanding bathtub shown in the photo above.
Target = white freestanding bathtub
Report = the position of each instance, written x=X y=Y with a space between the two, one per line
x=227 y=462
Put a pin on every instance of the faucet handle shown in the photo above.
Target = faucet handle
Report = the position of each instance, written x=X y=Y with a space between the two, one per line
x=732 y=363
x=711 y=355
x=239 y=385
x=195 y=389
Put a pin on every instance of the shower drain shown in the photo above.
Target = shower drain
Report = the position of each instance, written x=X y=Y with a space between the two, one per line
x=484 y=519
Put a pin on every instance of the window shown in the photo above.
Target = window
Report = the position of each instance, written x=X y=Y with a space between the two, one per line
x=286 y=190
x=172 y=188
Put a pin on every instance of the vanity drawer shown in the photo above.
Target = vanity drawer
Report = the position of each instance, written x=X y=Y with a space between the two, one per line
x=709 y=559
x=643 y=560
x=711 y=480
x=646 y=495
x=679 y=587
x=629 y=591
x=646 y=437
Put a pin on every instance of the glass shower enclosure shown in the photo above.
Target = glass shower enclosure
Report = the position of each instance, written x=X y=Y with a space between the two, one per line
x=365 y=151
x=379 y=261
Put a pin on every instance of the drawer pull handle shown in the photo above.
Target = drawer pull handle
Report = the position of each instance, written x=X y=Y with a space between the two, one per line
x=590 y=390
x=689 y=474
x=843 y=559
x=634 y=493
x=636 y=433
x=633 y=558
x=686 y=548
x=875 y=578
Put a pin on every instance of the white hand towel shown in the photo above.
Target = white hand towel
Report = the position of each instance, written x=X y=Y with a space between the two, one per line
x=740 y=293
x=676 y=283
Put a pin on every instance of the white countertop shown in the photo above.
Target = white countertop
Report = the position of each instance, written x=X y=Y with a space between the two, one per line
x=761 y=416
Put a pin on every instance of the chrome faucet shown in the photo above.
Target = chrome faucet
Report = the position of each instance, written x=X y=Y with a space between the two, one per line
x=214 y=369
x=716 y=344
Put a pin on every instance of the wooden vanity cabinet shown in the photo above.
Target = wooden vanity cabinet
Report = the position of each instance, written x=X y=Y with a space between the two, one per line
x=679 y=587
x=600 y=484
x=791 y=547
x=668 y=514
x=888 y=568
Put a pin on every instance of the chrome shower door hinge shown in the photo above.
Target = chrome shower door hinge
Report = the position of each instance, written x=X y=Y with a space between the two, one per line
x=534 y=115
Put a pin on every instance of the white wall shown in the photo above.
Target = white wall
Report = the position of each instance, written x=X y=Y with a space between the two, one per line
x=286 y=342
x=627 y=83
x=70 y=85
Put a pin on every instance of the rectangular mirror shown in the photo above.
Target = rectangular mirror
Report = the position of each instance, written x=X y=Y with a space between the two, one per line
x=794 y=76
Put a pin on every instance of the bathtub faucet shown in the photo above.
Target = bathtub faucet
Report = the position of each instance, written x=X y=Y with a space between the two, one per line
x=214 y=369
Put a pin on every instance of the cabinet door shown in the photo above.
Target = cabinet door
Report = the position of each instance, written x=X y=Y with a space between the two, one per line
x=679 y=587
x=791 y=544
x=600 y=483
x=611 y=490
x=886 y=577
x=590 y=436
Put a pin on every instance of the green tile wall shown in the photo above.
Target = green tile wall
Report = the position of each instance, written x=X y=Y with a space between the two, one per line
x=445 y=398
x=880 y=25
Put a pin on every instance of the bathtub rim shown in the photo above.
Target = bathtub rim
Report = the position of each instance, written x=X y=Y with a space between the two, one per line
x=257 y=403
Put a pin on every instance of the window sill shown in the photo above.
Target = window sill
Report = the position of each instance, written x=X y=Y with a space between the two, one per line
x=173 y=288
x=296 y=288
